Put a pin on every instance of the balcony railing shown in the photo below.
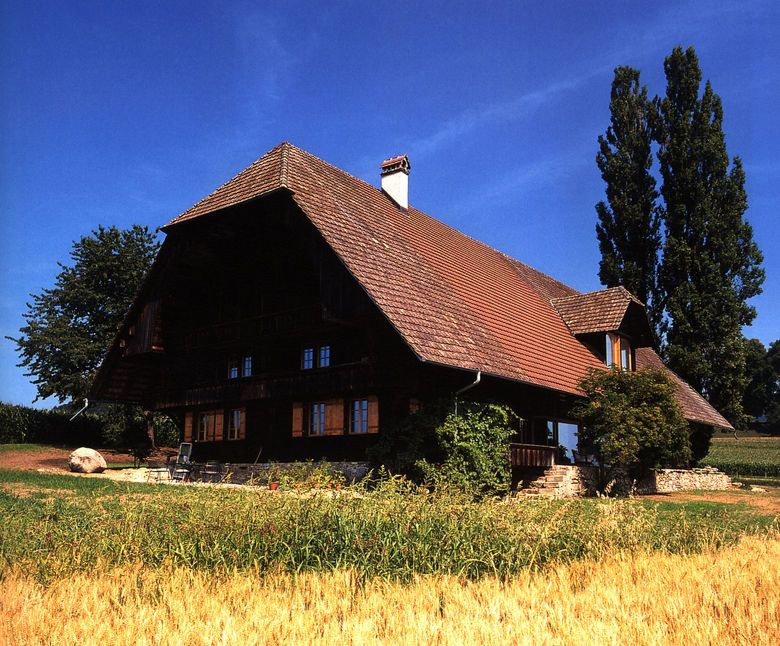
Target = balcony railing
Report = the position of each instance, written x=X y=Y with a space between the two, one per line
x=532 y=455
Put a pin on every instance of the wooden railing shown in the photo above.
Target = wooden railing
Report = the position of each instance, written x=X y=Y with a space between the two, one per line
x=531 y=455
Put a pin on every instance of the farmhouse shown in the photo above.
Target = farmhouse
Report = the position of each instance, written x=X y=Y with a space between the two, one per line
x=298 y=311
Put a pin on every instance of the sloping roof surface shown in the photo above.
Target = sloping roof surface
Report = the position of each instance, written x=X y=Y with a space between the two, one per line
x=695 y=407
x=454 y=300
x=601 y=311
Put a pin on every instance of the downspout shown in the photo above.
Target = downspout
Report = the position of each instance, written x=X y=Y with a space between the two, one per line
x=83 y=408
x=465 y=388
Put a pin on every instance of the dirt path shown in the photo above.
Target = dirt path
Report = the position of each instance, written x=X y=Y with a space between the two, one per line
x=50 y=459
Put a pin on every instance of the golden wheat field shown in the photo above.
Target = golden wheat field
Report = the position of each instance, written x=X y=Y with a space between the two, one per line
x=731 y=596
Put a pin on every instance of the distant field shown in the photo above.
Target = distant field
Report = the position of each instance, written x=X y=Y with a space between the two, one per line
x=746 y=456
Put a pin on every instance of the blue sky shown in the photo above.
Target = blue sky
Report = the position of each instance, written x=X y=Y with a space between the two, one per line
x=119 y=112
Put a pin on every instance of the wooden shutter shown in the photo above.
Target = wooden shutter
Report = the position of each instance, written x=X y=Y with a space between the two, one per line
x=334 y=417
x=373 y=414
x=188 y=426
x=297 y=419
x=242 y=428
x=218 y=426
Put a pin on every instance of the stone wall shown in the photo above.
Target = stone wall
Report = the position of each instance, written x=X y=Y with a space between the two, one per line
x=659 y=480
x=563 y=481
x=707 y=478
x=241 y=472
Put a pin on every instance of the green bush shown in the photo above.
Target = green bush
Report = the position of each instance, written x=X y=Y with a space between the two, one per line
x=166 y=431
x=633 y=419
x=469 y=451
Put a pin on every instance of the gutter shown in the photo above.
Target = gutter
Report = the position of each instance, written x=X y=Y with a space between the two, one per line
x=465 y=388
x=83 y=408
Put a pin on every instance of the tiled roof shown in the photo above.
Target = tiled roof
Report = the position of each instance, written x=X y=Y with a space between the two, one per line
x=695 y=407
x=454 y=300
x=601 y=311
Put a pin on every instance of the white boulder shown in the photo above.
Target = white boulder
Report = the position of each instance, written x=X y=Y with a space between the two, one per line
x=86 y=460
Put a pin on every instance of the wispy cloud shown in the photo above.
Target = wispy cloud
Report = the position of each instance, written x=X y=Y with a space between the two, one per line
x=454 y=129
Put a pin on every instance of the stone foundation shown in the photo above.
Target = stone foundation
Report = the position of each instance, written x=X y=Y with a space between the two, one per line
x=563 y=481
x=242 y=472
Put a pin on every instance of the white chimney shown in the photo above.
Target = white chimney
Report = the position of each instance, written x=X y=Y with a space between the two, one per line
x=395 y=180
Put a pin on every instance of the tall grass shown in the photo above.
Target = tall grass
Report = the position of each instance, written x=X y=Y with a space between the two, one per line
x=727 y=597
x=395 y=532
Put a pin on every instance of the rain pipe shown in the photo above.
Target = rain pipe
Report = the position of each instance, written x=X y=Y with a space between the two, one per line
x=83 y=408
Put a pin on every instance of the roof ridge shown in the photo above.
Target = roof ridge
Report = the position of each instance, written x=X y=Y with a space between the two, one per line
x=620 y=288
x=285 y=147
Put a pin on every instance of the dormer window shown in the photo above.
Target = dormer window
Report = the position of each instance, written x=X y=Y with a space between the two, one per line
x=618 y=352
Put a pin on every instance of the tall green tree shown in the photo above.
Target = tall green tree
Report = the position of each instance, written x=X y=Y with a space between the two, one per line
x=762 y=395
x=69 y=327
x=711 y=265
x=628 y=228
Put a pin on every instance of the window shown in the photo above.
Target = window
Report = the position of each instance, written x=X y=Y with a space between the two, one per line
x=247 y=366
x=315 y=357
x=324 y=356
x=317 y=419
x=233 y=368
x=358 y=416
x=236 y=424
x=618 y=352
x=205 y=427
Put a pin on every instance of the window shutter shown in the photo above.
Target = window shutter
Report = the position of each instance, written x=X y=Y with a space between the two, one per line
x=297 y=419
x=334 y=417
x=188 y=426
x=219 y=426
x=242 y=428
x=373 y=414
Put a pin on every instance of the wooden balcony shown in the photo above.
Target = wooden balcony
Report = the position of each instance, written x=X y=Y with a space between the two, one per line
x=531 y=455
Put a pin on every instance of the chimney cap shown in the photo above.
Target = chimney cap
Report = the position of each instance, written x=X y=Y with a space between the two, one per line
x=395 y=164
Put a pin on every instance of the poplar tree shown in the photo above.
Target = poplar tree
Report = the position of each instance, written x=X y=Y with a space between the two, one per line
x=711 y=265
x=628 y=226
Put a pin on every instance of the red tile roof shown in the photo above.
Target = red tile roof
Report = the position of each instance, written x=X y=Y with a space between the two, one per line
x=695 y=407
x=601 y=311
x=455 y=301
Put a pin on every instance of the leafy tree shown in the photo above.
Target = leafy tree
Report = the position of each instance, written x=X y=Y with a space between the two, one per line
x=711 y=265
x=628 y=227
x=762 y=395
x=69 y=327
x=633 y=420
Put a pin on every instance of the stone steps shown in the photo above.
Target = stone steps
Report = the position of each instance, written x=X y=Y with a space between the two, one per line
x=556 y=482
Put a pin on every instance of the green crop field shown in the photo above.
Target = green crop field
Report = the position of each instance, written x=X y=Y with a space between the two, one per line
x=746 y=456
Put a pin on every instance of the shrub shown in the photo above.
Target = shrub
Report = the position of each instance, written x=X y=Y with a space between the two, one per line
x=633 y=419
x=470 y=451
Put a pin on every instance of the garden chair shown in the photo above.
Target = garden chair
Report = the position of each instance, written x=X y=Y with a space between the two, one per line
x=212 y=471
x=178 y=469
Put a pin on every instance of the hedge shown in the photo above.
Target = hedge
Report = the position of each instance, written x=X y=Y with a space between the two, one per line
x=20 y=424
